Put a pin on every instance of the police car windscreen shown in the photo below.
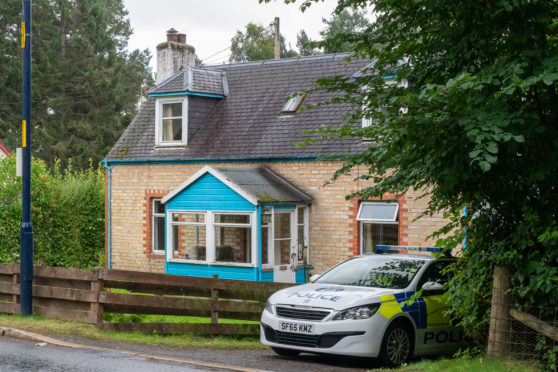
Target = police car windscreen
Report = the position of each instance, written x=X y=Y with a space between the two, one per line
x=374 y=271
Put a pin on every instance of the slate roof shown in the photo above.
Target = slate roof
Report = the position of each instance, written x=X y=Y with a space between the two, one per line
x=247 y=124
x=192 y=79
x=265 y=185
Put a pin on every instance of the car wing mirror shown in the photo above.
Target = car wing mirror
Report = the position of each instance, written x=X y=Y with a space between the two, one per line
x=314 y=277
x=432 y=287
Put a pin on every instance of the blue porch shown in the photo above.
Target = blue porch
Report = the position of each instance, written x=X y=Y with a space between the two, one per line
x=237 y=223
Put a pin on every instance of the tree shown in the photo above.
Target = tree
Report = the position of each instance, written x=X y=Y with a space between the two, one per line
x=257 y=43
x=85 y=83
x=473 y=121
x=305 y=45
x=341 y=24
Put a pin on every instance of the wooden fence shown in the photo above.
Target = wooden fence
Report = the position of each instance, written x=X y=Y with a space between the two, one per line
x=85 y=295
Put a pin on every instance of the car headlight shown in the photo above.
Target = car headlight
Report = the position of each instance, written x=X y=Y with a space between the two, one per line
x=268 y=307
x=359 y=312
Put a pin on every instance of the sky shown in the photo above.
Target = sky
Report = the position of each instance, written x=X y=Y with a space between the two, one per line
x=210 y=25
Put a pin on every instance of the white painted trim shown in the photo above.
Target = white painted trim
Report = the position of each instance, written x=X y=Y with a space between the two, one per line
x=210 y=246
x=237 y=264
x=159 y=122
x=220 y=176
x=169 y=241
x=382 y=221
x=153 y=216
x=306 y=226
x=254 y=244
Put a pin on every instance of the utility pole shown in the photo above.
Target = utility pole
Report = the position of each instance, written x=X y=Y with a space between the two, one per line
x=277 y=45
x=26 y=232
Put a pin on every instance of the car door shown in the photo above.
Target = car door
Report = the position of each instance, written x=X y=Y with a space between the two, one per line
x=436 y=332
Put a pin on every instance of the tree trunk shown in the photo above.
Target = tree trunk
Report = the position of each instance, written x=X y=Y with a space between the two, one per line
x=499 y=314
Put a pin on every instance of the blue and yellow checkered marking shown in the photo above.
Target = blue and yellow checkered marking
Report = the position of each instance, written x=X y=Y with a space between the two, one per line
x=426 y=313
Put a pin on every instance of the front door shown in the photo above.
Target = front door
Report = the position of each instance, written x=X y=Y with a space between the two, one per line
x=284 y=252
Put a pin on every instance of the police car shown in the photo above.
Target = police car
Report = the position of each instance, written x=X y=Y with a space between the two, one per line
x=364 y=307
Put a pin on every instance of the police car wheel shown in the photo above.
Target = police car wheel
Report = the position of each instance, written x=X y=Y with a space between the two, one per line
x=397 y=345
x=285 y=352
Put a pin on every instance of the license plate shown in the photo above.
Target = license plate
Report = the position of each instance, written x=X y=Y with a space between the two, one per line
x=297 y=327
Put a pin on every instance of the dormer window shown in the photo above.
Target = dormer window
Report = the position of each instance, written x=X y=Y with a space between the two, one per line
x=367 y=120
x=172 y=122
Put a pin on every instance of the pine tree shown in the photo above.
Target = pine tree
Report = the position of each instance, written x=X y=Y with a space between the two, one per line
x=85 y=85
x=257 y=43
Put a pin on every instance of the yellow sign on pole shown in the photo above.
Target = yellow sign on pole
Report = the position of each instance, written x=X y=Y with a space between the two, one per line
x=23 y=133
x=22 y=35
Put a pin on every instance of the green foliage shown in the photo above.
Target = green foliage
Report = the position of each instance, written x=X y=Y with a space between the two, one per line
x=549 y=360
x=472 y=119
x=85 y=82
x=67 y=213
x=305 y=45
x=338 y=26
x=257 y=43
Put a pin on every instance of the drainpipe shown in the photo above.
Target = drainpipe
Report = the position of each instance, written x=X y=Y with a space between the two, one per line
x=109 y=230
x=260 y=250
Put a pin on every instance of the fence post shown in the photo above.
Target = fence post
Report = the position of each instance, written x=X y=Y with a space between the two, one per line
x=97 y=286
x=15 y=297
x=214 y=304
x=499 y=313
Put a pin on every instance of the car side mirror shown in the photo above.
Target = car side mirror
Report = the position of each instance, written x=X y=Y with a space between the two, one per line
x=432 y=287
x=314 y=277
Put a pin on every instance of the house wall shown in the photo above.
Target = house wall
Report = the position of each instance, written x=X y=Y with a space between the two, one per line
x=334 y=231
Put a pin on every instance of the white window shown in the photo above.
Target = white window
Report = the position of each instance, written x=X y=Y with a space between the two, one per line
x=233 y=237
x=368 y=120
x=158 y=226
x=378 y=225
x=171 y=117
x=187 y=236
x=211 y=237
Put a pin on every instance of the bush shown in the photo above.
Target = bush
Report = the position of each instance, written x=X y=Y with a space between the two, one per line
x=67 y=213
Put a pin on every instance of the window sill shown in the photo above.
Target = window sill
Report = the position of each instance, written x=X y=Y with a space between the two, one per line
x=170 y=146
x=215 y=263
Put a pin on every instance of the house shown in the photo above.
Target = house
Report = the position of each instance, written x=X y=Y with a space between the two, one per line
x=4 y=150
x=208 y=180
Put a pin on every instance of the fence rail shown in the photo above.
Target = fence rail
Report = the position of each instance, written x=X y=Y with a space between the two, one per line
x=85 y=295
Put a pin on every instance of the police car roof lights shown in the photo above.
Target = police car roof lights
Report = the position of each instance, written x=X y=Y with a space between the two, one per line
x=409 y=249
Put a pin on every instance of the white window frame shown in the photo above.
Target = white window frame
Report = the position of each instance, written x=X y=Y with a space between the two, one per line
x=366 y=122
x=305 y=210
x=170 y=242
x=363 y=221
x=210 y=243
x=252 y=224
x=154 y=230
x=159 y=122
x=269 y=227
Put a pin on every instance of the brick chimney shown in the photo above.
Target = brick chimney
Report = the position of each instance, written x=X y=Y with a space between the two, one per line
x=173 y=55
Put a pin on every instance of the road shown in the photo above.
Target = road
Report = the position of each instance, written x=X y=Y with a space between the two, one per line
x=22 y=355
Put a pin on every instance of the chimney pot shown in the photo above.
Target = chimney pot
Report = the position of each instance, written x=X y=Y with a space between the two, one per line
x=173 y=55
x=172 y=34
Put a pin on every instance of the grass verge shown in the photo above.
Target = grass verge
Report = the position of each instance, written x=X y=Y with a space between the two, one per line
x=466 y=364
x=65 y=328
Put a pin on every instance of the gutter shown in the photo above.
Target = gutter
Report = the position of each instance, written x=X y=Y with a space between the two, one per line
x=109 y=226
x=224 y=160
